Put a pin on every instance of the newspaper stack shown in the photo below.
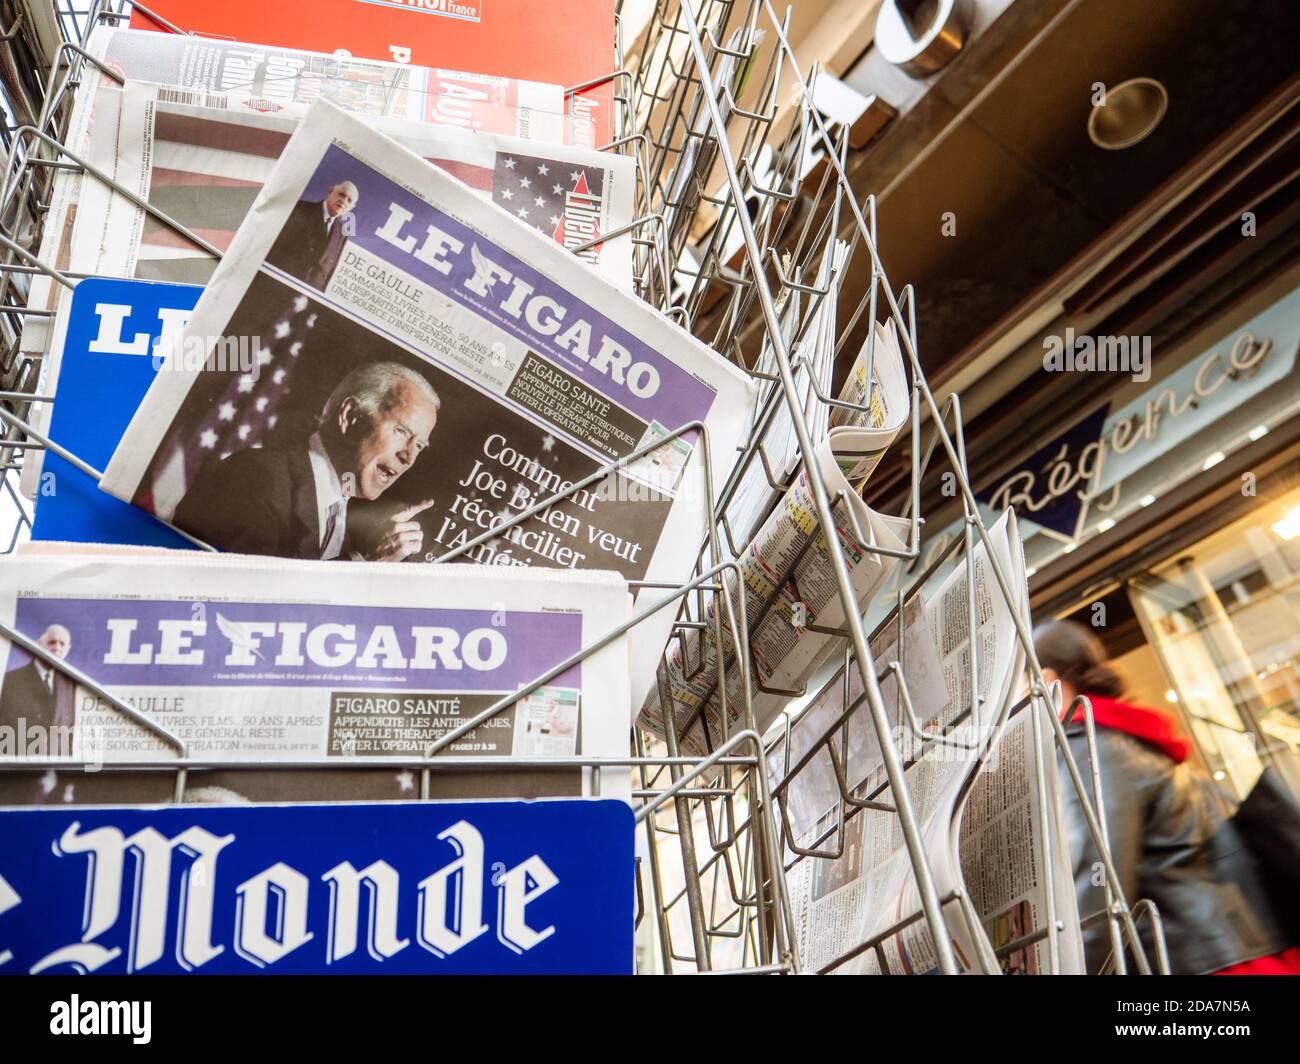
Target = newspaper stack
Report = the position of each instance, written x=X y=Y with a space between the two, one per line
x=308 y=382
x=789 y=585
x=972 y=777
x=255 y=661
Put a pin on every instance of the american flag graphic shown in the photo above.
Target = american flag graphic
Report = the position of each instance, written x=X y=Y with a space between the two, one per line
x=540 y=191
x=249 y=407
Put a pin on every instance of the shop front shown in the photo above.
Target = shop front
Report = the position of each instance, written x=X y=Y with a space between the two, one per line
x=1168 y=521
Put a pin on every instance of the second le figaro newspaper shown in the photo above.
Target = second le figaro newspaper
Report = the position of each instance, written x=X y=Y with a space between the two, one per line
x=386 y=367
x=257 y=664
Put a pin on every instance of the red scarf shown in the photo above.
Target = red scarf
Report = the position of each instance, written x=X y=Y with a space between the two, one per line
x=1157 y=727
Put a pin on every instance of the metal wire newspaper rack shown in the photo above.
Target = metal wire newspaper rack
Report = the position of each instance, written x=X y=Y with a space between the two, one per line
x=742 y=185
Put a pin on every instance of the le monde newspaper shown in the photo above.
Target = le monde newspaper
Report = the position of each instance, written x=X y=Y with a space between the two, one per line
x=386 y=367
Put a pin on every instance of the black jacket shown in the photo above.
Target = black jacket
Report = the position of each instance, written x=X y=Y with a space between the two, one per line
x=1173 y=840
x=305 y=249
x=261 y=500
x=24 y=695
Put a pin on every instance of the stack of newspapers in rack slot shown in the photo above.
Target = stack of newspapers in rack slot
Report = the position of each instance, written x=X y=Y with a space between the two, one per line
x=374 y=312
x=791 y=601
x=196 y=126
x=990 y=820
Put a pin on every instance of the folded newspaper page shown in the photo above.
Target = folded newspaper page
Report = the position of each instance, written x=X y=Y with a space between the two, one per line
x=315 y=372
x=789 y=583
x=255 y=661
x=204 y=163
x=857 y=437
x=265 y=78
x=807 y=335
x=976 y=794
x=259 y=79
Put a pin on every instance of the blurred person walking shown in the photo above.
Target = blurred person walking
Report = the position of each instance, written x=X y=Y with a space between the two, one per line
x=1173 y=837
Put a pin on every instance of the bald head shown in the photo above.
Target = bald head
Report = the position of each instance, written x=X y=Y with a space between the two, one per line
x=341 y=198
x=57 y=640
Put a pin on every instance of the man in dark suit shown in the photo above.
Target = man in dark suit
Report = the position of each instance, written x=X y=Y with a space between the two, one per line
x=42 y=696
x=312 y=239
x=290 y=500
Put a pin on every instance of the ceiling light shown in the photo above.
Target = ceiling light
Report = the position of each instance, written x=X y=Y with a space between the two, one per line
x=1213 y=460
x=1128 y=114
x=1106 y=525
x=1069 y=547
x=1258 y=433
x=1147 y=500
x=1171 y=696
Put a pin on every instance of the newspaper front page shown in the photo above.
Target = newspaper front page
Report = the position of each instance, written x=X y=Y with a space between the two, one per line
x=976 y=795
x=251 y=660
x=444 y=342
x=789 y=583
x=204 y=164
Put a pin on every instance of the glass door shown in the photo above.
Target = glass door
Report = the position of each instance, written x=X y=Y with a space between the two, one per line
x=1224 y=619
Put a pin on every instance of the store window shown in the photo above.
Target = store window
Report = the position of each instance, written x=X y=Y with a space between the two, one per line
x=1223 y=620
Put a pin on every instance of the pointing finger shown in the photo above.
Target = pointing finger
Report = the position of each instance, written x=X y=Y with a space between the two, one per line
x=411 y=511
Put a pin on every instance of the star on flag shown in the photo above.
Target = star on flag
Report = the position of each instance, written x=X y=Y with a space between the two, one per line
x=517 y=180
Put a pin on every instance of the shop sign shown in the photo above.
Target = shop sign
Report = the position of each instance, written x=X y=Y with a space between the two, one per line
x=1051 y=487
x=1053 y=490
x=1087 y=464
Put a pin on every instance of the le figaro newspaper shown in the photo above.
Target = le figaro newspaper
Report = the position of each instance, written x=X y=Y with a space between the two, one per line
x=397 y=375
x=339 y=687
